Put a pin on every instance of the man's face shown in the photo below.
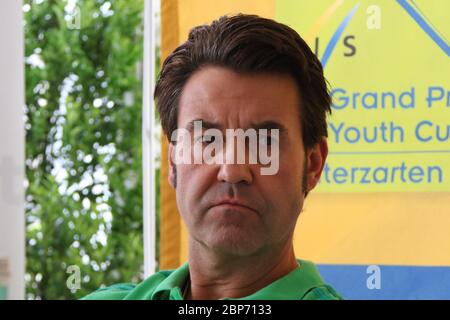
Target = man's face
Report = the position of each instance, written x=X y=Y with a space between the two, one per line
x=232 y=208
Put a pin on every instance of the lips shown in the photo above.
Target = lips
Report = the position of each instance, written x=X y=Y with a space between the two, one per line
x=232 y=203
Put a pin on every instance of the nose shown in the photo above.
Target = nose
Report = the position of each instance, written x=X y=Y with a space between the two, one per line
x=233 y=170
x=235 y=173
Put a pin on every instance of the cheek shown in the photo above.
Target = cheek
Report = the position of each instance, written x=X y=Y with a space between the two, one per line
x=283 y=197
x=193 y=182
x=284 y=189
x=292 y=169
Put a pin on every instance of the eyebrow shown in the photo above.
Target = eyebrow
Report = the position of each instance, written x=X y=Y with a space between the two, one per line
x=269 y=124
x=205 y=124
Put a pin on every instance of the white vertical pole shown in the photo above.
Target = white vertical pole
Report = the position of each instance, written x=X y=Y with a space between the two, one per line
x=12 y=145
x=148 y=120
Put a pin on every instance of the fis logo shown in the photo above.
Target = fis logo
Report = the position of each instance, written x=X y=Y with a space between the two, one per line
x=373 y=22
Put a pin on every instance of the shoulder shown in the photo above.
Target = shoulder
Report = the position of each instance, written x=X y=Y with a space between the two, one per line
x=318 y=289
x=323 y=292
x=113 y=292
x=123 y=291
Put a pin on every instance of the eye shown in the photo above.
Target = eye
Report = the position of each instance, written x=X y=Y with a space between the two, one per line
x=206 y=139
x=265 y=139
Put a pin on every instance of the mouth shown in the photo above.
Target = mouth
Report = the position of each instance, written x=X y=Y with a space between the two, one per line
x=234 y=205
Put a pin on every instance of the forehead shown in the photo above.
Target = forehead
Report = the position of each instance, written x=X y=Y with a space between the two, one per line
x=222 y=95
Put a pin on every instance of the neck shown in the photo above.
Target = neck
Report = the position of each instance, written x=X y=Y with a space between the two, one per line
x=214 y=276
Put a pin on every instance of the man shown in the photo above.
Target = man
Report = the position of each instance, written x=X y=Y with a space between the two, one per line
x=249 y=73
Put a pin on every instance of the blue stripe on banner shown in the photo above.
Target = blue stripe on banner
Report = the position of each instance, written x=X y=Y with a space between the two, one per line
x=425 y=27
x=396 y=282
x=337 y=34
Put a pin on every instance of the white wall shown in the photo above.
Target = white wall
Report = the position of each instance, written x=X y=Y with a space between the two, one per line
x=12 y=223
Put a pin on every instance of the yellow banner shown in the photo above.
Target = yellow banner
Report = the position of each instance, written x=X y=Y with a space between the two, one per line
x=384 y=196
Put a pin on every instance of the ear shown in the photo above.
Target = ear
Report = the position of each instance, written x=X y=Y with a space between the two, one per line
x=316 y=161
x=171 y=175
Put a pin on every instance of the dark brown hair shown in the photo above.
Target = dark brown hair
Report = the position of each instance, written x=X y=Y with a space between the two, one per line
x=247 y=44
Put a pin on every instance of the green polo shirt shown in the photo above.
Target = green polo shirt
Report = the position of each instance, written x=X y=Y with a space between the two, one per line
x=303 y=283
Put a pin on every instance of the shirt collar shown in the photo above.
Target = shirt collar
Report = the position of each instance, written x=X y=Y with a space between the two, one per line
x=171 y=286
x=292 y=286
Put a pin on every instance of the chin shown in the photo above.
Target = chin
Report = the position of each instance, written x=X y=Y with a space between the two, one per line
x=234 y=243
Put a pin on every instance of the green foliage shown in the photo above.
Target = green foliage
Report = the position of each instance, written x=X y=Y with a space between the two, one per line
x=83 y=149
